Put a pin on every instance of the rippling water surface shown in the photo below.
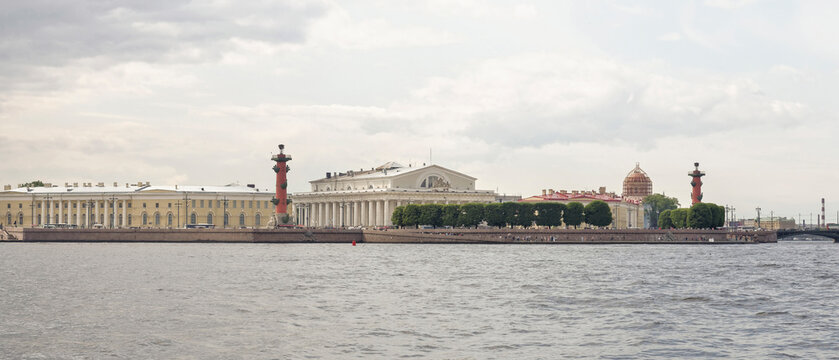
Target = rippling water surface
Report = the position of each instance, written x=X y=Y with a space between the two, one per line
x=247 y=301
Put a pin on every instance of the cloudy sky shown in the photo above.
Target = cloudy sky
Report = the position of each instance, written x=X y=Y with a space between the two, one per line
x=523 y=95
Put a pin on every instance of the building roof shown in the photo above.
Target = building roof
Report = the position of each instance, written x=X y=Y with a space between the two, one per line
x=133 y=188
x=389 y=169
x=579 y=196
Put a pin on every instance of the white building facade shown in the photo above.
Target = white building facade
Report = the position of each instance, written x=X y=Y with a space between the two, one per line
x=366 y=198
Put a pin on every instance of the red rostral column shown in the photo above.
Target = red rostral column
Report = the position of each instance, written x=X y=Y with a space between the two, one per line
x=281 y=196
x=696 y=194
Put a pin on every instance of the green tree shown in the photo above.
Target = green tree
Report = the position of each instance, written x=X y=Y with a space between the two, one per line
x=411 y=215
x=664 y=221
x=35 y=183
x=471 y=214
x=598 y=213
x=396 y=217
x=549 y=213
x=719 y=215
x=431 y=214
x=678 y=218
x=573 y=214
x=494 y=215
x=657 y=204
x=525 y=215
x=701 y=216
x=510 y=210
x=451 y=213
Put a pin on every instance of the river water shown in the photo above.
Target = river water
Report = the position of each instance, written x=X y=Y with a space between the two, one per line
x=336 y=301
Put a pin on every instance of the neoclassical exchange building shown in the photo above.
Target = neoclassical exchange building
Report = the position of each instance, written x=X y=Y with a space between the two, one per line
x=137 y=205
x=368 y=197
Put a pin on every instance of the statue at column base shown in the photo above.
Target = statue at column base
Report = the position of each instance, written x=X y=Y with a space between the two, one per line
x=279 y=220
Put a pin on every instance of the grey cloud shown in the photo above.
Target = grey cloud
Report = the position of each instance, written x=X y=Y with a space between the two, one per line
x=43 y=44
x=52 y=33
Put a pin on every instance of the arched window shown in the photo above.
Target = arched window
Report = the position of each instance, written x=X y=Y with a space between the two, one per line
x=209 y=218
x=20 y=219
x=169 y=221
x=429 y=181
x=257 y=219
x=129 y=219
x=192 y=219
x=226 y=219
x=241 y=219
x=156 y=219
x=8 y=219
x=145 y=219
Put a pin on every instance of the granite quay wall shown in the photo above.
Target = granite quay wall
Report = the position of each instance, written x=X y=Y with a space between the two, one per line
x=449 y=236
x=566 y=236
x=190 y=235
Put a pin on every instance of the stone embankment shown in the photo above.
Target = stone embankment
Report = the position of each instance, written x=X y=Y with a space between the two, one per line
x=566 y=236
x=441 y=236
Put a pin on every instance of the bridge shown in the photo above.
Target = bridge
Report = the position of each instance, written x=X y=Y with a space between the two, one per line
x=833 y=234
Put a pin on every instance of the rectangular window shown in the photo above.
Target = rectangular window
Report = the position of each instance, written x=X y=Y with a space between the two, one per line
x=210 y=204
x=74 y=205
x=157 y=205
x=218 y=203
x=20 y=206
x=234 y=204
x=258 y=204
x=266 y=204
x=202 y=204
x=120 y=205
x=250 y=204
x=193 y=204
x=8 y=206
x=170 y=205
x=144 y=205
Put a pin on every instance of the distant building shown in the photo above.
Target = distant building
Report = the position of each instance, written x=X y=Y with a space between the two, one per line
x=626 y=213
x=139 y=205
x=770 y=223
x=637 y=184
x=368 y=197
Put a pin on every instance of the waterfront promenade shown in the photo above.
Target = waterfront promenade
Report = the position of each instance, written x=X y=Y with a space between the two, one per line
x=440 y=236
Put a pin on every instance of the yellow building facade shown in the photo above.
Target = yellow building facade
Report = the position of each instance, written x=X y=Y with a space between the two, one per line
x=136 y=206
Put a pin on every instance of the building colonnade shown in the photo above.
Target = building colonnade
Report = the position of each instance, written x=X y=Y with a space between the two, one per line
x=353 y=213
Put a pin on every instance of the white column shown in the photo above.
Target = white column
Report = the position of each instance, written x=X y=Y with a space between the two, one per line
x=78 y=213
x=43 y=212
x=96 y=215
x=60 y=212
x=125 y=213
x=341 y=214
x=387 y=214
x=371 y=213
x=356 y=213
x=87 y=215
x=379 y=213
x=320 y=215
x=107 y=216
x=52 y=212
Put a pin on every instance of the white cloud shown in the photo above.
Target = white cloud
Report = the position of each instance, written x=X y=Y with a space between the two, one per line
x=339 y=29
x=673 y=36
x=729 y=4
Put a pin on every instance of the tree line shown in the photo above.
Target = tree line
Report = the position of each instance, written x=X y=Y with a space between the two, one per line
x=698 y=216
x=508 y=214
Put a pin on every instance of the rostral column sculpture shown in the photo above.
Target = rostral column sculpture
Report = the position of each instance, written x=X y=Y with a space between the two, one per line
x=696 y=183
x=281 y=199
